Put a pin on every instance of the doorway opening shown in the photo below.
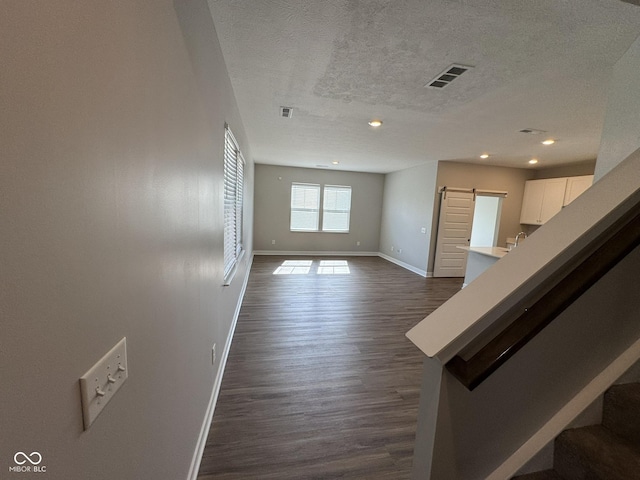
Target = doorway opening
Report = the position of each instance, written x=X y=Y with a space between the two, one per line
x=486 y=221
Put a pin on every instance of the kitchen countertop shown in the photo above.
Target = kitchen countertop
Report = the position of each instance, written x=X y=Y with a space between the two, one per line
x=495 y=252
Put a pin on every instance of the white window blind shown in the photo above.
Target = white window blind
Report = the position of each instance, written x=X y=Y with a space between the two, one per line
x=306 y=215
x=336 y=208
x=233 y=185
x=305 y=207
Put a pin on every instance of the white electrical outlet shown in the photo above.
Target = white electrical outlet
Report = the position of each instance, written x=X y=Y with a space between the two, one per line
x=213 y=354
x=423 y=230
x=273 y=242
x=358 y=244
x=102 y=381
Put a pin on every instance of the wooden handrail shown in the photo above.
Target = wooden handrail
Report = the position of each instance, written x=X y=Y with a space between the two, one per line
x=538 y=309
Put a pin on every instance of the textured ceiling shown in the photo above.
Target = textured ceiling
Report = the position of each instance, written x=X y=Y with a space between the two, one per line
x=544 y=65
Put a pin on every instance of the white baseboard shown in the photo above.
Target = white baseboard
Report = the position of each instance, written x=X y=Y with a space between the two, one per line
x=206 y=424
x=411 y=268
x=315 y=254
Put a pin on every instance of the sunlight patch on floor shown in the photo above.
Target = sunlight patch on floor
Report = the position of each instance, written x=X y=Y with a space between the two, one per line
x=333 y=267
x=303 y=267
x=294 y=267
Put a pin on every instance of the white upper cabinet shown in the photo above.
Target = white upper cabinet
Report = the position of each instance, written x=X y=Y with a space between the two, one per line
x=575 y=187
x=532 y=202
x=542 y=200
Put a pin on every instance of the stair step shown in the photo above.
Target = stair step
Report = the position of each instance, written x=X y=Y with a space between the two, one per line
x=621 y=412
x=545 y=475
x=595 y=453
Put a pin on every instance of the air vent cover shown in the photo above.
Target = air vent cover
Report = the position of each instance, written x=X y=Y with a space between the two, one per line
x=286 y=112
x=532 y=131
x=449 y=75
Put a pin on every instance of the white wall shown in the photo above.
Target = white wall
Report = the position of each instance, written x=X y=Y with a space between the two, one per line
x=273 y=206
x=111 y=185
x=407 y=208
x=621 y=131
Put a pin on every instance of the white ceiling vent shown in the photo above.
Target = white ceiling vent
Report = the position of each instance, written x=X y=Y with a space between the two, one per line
x=449 y=75
x=286 y=112
x=532 y=131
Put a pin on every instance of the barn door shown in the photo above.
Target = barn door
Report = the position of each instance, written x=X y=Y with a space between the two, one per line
x=454 y=229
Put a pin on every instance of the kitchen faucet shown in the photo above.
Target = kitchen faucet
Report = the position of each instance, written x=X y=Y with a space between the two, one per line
x=524 y=235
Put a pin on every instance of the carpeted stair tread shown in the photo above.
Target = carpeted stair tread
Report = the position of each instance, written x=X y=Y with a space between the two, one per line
x=621 y=412
x=595 y=453
x=545 y=475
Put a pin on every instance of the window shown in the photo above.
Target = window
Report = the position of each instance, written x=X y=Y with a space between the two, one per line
x=305 y=207
x=306 y=213
x=336 y=208
x=233 y=184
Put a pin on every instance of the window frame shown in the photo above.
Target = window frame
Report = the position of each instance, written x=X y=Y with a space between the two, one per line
x=321 y=210
x=233 y=196
x=301 y=208
x=325 y=210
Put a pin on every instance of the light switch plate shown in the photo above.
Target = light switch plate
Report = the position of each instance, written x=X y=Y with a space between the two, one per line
x=102 y=381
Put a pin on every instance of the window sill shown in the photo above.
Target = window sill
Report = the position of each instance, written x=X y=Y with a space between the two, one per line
x=317 y=231
x=227 y=280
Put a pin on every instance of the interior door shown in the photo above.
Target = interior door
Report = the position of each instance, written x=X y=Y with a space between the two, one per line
x=454 y=229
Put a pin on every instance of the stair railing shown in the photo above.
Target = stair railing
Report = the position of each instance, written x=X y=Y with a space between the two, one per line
x=537 y=309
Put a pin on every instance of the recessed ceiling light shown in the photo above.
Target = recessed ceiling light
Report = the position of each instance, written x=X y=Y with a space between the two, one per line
x=484 y=155
x=375 y=123
x=533 y=161
x=549 y=141
x=335 y=162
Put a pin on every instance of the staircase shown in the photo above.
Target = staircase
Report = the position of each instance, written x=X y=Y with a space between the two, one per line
x=610 y=451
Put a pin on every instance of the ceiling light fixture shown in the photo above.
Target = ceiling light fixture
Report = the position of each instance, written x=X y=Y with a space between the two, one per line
x=484 y=155
x=335 y=162
x=533 y=161
x=375 y=123
x=549 y=141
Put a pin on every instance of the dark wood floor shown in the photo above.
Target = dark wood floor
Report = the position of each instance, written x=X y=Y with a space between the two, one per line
x=321 y=382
